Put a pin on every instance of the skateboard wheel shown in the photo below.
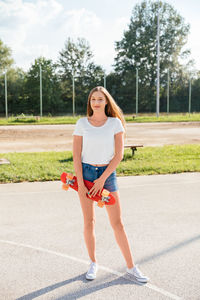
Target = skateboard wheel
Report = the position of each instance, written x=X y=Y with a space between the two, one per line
x=70 y=176
x=100 y=203
x=65 y=187
x=105 y=193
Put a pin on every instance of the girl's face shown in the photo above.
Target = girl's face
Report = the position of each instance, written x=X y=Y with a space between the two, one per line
x=98 y=101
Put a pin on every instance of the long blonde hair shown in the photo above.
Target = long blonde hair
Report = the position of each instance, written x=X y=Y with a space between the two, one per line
x=111 y=108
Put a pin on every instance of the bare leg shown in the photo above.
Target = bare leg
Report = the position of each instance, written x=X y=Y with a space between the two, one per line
x=89 y=226
x=114 y=213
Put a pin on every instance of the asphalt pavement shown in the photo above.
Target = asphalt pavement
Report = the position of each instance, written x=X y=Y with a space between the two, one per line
x=43 y=254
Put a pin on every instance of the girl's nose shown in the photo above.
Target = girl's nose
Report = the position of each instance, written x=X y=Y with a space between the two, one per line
x=97 y=101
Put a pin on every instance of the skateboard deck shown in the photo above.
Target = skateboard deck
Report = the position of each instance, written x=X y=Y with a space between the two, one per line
x=105 y=198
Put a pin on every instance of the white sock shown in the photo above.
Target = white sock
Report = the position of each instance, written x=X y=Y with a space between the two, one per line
x=131 y=268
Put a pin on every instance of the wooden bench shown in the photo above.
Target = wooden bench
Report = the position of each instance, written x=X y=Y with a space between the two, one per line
x=4 y=161
x=133 y=148
x=27 y=117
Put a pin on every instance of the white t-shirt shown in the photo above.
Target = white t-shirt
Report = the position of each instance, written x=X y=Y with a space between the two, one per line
x=98 y=142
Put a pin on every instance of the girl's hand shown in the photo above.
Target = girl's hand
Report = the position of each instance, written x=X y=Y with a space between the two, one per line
x=97 y=187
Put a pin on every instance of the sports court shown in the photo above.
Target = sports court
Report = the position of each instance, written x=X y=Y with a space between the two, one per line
x=43 y=254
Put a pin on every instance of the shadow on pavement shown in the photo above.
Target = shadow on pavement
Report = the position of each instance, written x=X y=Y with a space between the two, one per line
x=83 y=292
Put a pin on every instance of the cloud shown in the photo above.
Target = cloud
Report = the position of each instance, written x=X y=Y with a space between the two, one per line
x=22 y=24
x=41 y=27
x=80 y=22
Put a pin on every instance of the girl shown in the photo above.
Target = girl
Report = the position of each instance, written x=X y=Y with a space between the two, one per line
x=98 y=146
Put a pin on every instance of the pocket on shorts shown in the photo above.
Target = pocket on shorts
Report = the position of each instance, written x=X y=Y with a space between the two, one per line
x=87 y=173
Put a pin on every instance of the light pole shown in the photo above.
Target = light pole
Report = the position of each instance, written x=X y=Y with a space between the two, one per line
x=158 y=62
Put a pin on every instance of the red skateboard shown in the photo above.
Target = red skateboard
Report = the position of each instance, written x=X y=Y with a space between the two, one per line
x=69 y=180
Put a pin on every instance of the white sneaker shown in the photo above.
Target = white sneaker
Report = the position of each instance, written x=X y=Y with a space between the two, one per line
x=137 y=274
x=91 y=273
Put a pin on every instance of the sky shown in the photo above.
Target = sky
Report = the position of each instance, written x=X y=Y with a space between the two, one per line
x=34 y=28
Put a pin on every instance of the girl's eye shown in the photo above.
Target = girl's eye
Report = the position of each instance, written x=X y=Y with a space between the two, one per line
x=97 y=99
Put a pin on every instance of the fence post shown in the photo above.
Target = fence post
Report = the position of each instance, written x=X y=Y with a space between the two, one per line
x=40 y=91
x=73 y=98
x=190 y=91
x=105 y=80
x=6 y=96
x=168 y=91
x=136 y=92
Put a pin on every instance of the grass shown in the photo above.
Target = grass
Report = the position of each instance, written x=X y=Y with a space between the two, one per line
x=163 y=117
x=141 y=118
x=28 y=120
x=48 y=166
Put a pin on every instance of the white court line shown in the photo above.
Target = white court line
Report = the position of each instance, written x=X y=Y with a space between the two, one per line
x=158 y=183
x=120 y=187
x=150 y=286
x=29 y=192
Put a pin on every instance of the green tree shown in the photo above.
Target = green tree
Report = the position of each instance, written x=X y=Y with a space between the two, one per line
x=16 y=92
x=51 y=101
x=76 y=58
x=6 y=62
x=137 y=49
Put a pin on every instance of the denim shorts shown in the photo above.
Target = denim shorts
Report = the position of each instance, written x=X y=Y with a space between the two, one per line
x=91 y=173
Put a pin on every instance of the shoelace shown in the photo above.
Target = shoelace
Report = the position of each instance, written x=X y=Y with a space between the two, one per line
x=92 y=268
x=139 y=273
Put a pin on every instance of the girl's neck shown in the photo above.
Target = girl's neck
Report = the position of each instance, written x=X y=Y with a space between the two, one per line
x=99 y=116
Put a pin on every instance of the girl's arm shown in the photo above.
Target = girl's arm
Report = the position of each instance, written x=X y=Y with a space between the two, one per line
x=77 y=149
x=119 y=153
